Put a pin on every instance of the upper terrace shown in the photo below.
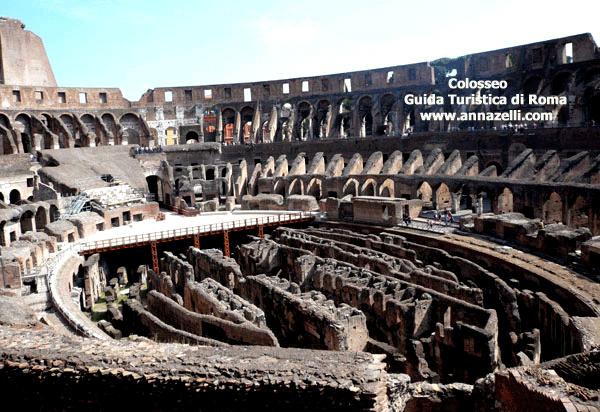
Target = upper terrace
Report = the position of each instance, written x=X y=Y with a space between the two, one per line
x=496 y=63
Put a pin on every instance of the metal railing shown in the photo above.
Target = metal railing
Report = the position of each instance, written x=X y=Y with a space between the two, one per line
x=166 y=235
x=76 y=206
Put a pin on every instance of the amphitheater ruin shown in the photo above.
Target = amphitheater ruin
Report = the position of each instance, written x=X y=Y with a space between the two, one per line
x=307 y=243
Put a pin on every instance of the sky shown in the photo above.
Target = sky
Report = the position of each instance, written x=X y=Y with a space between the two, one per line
x=136 y=45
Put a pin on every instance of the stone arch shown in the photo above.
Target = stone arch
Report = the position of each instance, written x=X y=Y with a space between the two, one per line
x=4 y=121
x=27 y=221
x=296 y=187
x=54 y=214
x=465 y=198
x=552 y=209
x=425 y=193
x=228 y=121
x=369 y=188
x=321 y=119
x=497 y=165
x=386 y=189
x=579 y=213
x=71 y=127
x=23 y=128
x=531 y=85
x=132 y=137
x=285 y=123
x=443 y=197
x=315 y=188
x=109 y=122
x=266 y=132
x=350 y=188
x=89 y=121
x=155 y=187
x=365 y=115
x=344 y=113
x=305 y=110
x=14 y=197
x=133 y=130
x=41 y=218
x=505 y=201
x=46 y=119
x=247 y=119
x=7 y=142
x=386 y=103
x=192 y=137
x=409 y=118
x=591 y=105
x=210 y=173
x=279 y=187
x=560 y=82
x=485 y=199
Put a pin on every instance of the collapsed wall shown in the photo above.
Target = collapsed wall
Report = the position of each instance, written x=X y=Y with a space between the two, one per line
x=202 y=310
x=45 y=370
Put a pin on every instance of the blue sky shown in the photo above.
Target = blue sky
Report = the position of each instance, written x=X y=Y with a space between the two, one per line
x=136 y=45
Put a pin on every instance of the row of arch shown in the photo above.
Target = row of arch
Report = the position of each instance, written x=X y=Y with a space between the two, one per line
x=575 y=208
x=13 y=197
x=568 y=82
x=32 y=217
x=28 y=132
x=320 y=119
x=376 y=115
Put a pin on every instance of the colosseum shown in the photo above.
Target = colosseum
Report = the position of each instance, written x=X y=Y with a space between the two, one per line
x=423 y=237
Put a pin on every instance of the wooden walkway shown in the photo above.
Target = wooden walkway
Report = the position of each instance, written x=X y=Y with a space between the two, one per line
x=193 y=232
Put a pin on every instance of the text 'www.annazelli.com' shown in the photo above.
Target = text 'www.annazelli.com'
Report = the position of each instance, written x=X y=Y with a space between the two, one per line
x=507 y=116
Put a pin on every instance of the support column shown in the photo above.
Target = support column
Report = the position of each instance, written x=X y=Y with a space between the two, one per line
x=154 y=258
x=261 y=232
x=237 y=127
x=197 y=242
x=226 y=243
x=219 y=135
x=455 y=202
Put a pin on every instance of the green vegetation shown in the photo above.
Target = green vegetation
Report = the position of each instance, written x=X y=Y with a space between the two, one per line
x=447 y=65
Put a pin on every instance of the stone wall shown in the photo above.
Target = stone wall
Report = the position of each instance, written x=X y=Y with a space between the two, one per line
x=461 y=334
x=46 y=371
x=306 y=319
x=212 y=264
x=432 y=327
x=23 y=56
x=210 y=297
x=94 y=281
x=188 y=305
x=365 y=257
x=298 y=320
x=208 y=326
x=138 y=321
